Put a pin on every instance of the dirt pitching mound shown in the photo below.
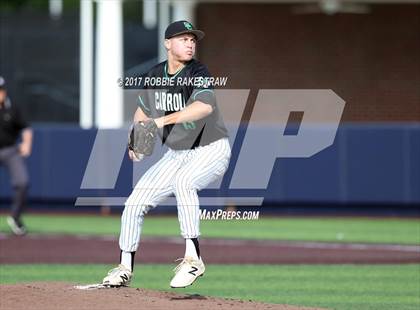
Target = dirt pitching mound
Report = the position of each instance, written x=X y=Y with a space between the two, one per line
x=63 y=296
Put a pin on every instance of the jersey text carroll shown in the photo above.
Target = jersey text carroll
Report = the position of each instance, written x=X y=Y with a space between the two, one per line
x=169 y=102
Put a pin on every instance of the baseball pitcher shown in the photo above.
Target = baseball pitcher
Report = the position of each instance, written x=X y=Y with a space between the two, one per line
x=185 y=117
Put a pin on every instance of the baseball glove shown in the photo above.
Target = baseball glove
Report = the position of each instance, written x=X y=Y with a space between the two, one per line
x=142 y=138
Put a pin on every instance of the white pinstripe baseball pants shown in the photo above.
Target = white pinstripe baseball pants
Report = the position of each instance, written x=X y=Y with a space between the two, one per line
x=182 y=173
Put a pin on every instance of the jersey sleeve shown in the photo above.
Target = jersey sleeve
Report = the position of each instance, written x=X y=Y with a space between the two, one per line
x=203 y=91
x=135 y=81
x=144 y=98
x=143 y=102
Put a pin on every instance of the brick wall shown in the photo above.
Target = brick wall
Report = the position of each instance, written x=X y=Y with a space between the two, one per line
x=372 y=60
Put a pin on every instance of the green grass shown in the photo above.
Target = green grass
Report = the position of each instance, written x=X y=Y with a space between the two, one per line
x=341 y=287
x=402 y=231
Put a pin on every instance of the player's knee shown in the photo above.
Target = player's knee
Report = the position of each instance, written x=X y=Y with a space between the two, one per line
x=137 y=198
x=20 y=181
x=135 y=210
x=183 y=183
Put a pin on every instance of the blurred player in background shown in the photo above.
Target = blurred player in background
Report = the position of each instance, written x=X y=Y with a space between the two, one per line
x=12 y=124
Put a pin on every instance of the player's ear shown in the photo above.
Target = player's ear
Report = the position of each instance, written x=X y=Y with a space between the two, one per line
x=167 y=44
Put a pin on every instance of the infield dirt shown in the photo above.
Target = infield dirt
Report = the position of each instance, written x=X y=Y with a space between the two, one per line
x=63 y=296
x=89 y=249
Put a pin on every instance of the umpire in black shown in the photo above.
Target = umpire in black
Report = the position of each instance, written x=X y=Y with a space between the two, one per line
x=12 y=125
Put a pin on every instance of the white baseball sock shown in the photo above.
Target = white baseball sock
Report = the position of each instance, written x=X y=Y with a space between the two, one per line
x=127 y=259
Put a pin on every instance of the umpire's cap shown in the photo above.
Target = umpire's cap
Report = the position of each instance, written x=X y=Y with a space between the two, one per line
x=182 y=27
x=2 y=83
